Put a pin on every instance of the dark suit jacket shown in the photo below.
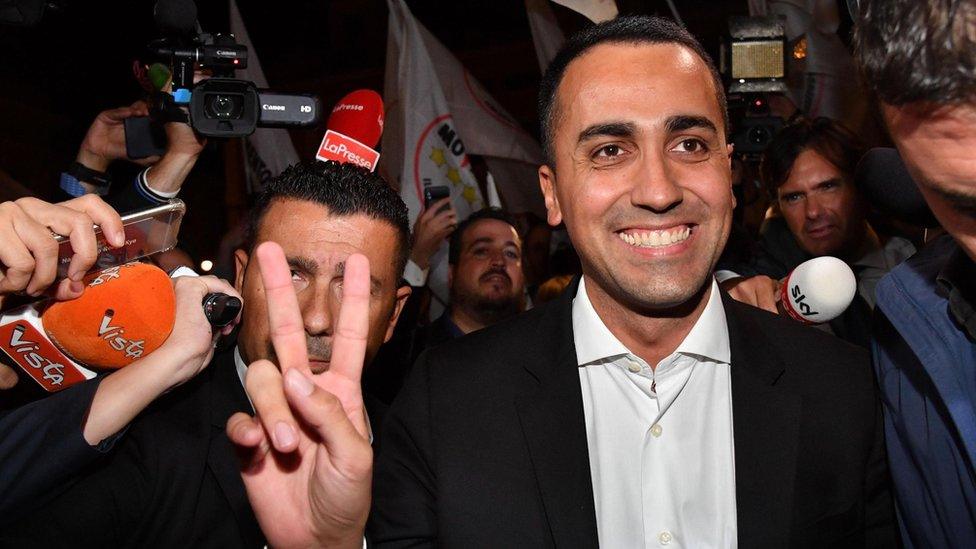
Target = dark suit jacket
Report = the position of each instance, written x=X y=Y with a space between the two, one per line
x=173 y=481
x=486 y=444
x=42 y=447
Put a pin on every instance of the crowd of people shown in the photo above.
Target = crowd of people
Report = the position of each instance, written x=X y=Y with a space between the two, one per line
x=636 y=388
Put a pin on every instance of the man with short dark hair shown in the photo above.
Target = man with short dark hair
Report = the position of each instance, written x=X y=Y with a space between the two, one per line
x=485 y=272
x=174 y=481
x=642 y=407
x=919 y=57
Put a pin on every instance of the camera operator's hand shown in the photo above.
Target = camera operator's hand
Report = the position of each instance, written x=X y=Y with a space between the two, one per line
x=430 y=230
x=186 y=352
x=183 y=147
x=758 y=291
x=29 y=254
x=306 y=458
x=105 y=140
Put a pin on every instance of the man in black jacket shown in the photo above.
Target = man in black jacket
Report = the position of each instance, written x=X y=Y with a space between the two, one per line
x=173 y=480
x=644 y=407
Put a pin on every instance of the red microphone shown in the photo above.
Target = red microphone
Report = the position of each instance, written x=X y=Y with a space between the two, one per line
x=354 y=128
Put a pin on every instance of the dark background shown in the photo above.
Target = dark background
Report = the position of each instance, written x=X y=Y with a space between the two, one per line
x=56 y=76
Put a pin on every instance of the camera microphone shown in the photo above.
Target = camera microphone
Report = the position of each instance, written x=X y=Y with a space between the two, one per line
x=882 y=177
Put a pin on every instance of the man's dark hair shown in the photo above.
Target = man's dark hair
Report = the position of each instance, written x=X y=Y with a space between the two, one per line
x=454 y=245
x=345 y=189
x=824 y=136
x=918 y=50
x=639 y=29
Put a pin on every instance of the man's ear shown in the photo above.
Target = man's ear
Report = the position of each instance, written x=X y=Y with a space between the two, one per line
x=547 y=182
x=240 y=265
x=403 y=292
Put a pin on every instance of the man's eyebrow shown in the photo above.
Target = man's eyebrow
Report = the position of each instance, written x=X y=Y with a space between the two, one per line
x=683 y=122
x=303 y=264
x=826 y=182
x=375 y=285
x=612 y=129
x=482 y=240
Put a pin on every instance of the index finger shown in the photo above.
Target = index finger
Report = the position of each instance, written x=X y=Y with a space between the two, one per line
x=352 y=326
x=101 y=214
x=284 y=315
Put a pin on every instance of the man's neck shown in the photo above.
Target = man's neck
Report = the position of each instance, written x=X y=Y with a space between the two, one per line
x=466 y=321
x=651 y=335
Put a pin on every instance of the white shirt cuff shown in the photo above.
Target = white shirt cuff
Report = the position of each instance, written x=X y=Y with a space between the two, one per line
x=723 y=275
x=414 y=275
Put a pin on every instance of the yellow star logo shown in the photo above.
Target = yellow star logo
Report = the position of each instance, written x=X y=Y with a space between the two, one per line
x=437 y=155
x=470 y=194
x=454 y=176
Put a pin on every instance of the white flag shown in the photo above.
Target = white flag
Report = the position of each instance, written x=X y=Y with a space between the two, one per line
x=268 y=151
x=546 y=34
x=421 y=136
x=486 y=128
x=597 y=11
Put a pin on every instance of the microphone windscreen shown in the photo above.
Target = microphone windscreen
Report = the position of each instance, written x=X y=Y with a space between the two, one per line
x=175 y=17
x=125 y=313
x=359 y=115
x=818 y=290
x=882 y=177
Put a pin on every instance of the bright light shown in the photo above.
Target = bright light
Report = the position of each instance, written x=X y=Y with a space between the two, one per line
x=206 y=265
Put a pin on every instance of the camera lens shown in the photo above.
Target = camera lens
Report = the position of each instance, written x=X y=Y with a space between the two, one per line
x=224 y=106
x=759 y=135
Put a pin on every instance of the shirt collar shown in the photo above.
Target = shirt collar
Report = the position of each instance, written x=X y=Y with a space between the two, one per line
x=241 y=371
x=708 y=338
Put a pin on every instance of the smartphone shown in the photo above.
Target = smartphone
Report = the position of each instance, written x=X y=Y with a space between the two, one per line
x=143 y=137
x=434 y=193
x=147 y=232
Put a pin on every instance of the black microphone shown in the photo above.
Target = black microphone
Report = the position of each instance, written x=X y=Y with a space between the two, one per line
x=221 y=309
x=882 y=177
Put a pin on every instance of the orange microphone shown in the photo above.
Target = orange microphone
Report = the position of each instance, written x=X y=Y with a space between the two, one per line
x=125 y=313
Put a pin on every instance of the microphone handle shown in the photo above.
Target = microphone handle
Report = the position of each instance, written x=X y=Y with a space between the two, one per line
x=221 y=309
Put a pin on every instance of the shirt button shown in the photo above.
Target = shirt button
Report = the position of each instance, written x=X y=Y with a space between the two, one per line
x=656 y=431
x=633 y=367
x=665 y=537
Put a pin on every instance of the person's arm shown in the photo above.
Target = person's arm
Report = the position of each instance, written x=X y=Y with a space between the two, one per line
x=312 y=489
x=188 y=349
x=430 y=230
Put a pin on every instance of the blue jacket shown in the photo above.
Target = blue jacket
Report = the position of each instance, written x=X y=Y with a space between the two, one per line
x=926 y=366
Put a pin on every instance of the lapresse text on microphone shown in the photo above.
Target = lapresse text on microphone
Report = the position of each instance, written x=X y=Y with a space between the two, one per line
x=354 y=129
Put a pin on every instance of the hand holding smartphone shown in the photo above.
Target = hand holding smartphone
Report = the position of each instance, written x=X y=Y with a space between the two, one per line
x=146 y=232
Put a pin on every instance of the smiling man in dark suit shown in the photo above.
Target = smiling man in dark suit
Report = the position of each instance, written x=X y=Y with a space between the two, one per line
x=644 y=407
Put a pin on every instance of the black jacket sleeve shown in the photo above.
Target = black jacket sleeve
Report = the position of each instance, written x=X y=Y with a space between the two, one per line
x=42 y=447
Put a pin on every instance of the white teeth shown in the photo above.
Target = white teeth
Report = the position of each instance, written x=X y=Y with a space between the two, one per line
x=656 y=239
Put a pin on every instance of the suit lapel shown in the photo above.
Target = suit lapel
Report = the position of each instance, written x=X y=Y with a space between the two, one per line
x=555 y=431
x=766 y=428
x=228 y=397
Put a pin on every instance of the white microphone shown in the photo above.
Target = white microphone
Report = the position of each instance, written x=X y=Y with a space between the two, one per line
x=818 y=290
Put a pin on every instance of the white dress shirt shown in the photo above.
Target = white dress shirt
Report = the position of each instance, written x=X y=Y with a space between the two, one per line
x=660 y=440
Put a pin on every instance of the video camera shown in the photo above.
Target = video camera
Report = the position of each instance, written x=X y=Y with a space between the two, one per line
x=220 y=106
x=753 y=62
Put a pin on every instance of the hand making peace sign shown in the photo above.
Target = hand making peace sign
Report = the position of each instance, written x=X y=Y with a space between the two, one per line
x=306 y=457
